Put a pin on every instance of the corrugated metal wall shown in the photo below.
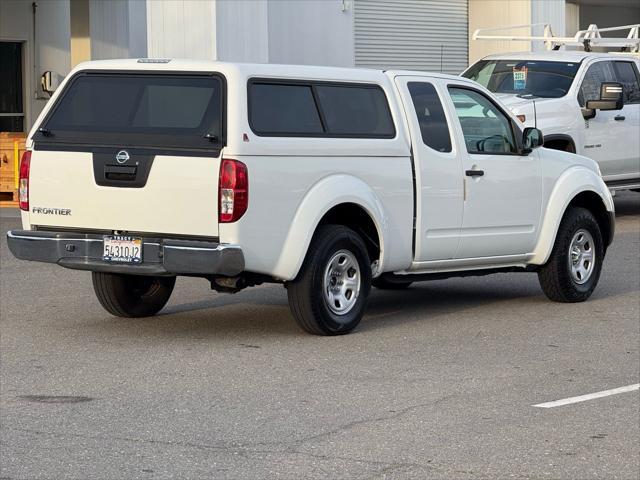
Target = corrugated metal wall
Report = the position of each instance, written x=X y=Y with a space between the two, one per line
x=427 y=35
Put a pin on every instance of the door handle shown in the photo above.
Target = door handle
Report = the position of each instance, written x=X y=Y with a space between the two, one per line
x=619 y=118
x=474 y=173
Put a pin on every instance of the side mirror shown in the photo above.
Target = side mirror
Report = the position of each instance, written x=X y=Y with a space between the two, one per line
x=610 y=97
x=531 y=138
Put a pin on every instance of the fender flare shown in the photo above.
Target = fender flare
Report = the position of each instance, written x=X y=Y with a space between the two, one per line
x=321 y=197
x=571 y=183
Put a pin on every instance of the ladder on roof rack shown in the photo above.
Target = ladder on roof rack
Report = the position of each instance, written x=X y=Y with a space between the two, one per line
x=587 y=39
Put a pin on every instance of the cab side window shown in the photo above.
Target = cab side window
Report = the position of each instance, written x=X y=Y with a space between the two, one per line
x=627 y=75
x=596 y=74
x=431 y=117
x=486 y=129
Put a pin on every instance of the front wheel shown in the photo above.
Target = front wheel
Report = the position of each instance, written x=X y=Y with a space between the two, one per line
x=329 y=295
x=132 y=295
x=573 y=269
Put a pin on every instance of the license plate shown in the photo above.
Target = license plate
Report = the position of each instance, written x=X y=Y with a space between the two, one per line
x=122 y=249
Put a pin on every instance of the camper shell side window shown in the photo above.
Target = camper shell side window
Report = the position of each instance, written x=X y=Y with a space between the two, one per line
x=301 y=108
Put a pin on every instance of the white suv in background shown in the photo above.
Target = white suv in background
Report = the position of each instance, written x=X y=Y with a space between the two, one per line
x=561 y=93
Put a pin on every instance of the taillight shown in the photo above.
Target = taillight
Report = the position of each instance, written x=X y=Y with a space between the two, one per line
x=25 y=165
x=233 y=190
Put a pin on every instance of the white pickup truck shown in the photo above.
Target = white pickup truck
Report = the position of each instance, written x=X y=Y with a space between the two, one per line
x=326 y=180
x=560 y=92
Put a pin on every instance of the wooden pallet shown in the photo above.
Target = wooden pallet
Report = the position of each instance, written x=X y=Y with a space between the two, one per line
x=8 y=199
x=8 y=166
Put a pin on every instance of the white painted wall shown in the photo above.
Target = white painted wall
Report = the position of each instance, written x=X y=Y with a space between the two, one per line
x=502 y=13
x=181 y=29
x=493 y=14
x=108 y=29
x=572 y=19
x=262 y=31
x=311 y=32
x=117 y=29
x=241 y=28
x=547 y=11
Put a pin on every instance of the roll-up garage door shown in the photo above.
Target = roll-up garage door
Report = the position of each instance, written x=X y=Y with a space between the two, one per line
x=430 y=35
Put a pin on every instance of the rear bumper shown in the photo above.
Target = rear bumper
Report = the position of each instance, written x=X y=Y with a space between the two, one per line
x=160 y=256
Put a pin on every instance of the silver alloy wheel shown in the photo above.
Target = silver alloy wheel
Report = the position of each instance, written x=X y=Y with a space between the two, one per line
x=582 y=256
x=341 y=285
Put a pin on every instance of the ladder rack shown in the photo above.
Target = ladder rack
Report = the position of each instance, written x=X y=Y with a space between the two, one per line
x=587 y=39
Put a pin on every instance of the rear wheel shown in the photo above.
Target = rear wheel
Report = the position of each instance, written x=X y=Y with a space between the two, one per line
x=329 y=295
x=132 y=295
x=574 y=267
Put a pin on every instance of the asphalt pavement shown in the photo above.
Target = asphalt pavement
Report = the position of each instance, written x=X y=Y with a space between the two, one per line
x=439 y=381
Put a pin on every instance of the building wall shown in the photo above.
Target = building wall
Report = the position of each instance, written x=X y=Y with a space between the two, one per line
x=80 y=33
x=608 y=16
x=551 y=12
x=50 y=50
x=117 y=29
x=427 y=35
x=241 y=29
x=181 y=29
x=316 y=32
x=312 y=32
x=572 y=19
x=498 y=13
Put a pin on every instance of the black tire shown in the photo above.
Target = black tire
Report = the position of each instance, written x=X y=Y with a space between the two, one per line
x=556 y=278
x=385 y=284
x=132 y=296
x=306 y=294
x=636 y=190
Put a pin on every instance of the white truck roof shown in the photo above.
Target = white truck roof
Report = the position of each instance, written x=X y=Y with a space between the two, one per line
x=234 y=68
x=253 y=69
x=551 y=55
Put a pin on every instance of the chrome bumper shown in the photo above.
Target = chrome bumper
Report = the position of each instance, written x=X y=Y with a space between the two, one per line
x=160 y=256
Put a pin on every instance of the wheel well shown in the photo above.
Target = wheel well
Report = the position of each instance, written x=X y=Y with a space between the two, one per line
x=592 y=202
x=355 y=217
x=562 y=143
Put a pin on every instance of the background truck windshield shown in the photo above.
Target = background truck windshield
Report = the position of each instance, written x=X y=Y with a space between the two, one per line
x=169 y=111
x=538 y=78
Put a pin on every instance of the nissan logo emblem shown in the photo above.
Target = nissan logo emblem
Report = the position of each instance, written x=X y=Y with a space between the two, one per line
x=122 y=156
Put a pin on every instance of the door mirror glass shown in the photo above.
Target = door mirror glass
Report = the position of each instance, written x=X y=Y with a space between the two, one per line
x=610 y=97
x=532 y=138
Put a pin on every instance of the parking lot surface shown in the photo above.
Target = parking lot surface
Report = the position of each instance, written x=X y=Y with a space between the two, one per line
x=439 y=381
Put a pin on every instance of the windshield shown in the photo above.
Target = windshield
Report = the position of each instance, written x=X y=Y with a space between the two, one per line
x=535 y=78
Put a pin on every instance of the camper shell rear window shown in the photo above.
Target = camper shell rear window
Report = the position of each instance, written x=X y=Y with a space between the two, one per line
x=158 y=110
x=301 y=108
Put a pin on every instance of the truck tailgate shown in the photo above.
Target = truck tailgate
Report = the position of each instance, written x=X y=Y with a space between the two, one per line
x=180 y=195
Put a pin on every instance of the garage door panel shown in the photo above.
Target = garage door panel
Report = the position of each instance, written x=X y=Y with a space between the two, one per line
x=429 y=35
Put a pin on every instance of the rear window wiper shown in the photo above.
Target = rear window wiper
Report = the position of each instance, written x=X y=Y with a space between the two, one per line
x=45 y=131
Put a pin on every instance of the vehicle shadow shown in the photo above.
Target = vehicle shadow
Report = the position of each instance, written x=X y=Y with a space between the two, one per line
x=264 y=311
x=627 y=204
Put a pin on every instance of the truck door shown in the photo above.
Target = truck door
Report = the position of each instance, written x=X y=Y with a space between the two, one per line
x=503 y=190
x=611 y=137
x=437 y=164
x=627 y=74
